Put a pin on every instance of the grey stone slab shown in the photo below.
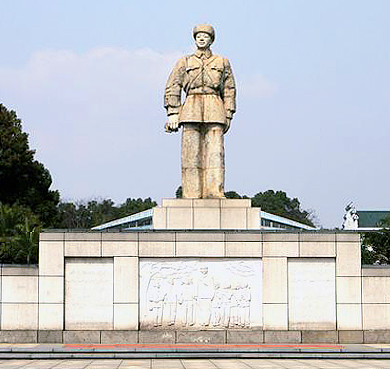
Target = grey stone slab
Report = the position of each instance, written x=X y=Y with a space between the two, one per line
x=156 y=236
x=248 y=337
x=282 y=336
x=199 y=236
x=348 y=237
x=319 y=337
x=19 y=270
x=202 y=337
x=83 y=236
x=243 y=236
x=350 y=336
x=280 y=237
x=157 y=336
x=377 y=336
x=81 y=336
x=317 y=237
x=120 y=236
x=49 y=336
x=27 y=336
x=376 y=271
x=52 y=236
x=119 y=337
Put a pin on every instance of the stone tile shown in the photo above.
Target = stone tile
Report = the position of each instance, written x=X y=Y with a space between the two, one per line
x=129 y=236
x=119 y=248
x=125 y=316
x=376 y=316
x=233 y=218
x=83 y=236
x=199 y=236
x=22 y=336
x=349 y=317
x=201 y=337
x=125 y=279
x=317 y=249
x=373 y=289
x=274 y=280
x=282 y=337
x=19 y=316
x=81 y=337
x=17 y=289
x=205 y=249
x=275 y=317
x=159 y=219
x=376 y=271
x=51 y=316
x=112 y=337
x=348 y=261
x=51 y=236
x=51 y=289
x=248 y=236
x=50 y=336
x=253 y=218
x=348 y=237
x=156 y=249
x=245 y=337
x=207 y=218
x=349 y=290
x=180 y=218
x=83 y=248
x=177 y=203
x=51 y=258
x=376 y=336
x=280 y=237
x=316 y=237
x=19 y=270
x=350 y=337
x=287 y=249
x=156 y=236
x=319 y=337
x=243 y=249
x=157 y=337
x=235 y=203
x=206 y=203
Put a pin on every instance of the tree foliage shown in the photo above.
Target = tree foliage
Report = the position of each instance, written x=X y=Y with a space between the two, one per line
x=19 y=235
x=23 y=180
x=376 y=245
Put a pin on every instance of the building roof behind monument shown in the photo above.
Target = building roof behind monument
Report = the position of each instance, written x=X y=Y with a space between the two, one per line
x=144 y=220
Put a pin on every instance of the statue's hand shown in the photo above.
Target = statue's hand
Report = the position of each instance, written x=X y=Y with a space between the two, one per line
x=173 y=123
x=227 y=125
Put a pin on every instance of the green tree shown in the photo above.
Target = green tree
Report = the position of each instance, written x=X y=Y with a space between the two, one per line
x=280 y=204
x=19 y=235
x=132 y=206
x=179 y=192
x=23 y=180
x=376 y=245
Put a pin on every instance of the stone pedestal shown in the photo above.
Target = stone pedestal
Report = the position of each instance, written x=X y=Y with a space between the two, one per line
x=206 y=214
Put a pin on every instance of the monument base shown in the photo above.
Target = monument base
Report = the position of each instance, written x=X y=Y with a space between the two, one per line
x=206 y=214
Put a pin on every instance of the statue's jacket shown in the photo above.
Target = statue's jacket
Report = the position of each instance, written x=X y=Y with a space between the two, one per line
x=208 y=82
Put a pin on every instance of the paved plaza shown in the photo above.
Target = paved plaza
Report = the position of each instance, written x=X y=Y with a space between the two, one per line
x=196 y=363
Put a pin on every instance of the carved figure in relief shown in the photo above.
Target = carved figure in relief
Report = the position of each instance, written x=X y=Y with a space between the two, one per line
x=205 y=116
x=205 y=294
x=186 y=302
x=156 y=299
x=170 y=303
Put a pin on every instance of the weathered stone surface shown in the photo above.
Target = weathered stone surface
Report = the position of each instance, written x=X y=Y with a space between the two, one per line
x=22 y=336
x=199 y=236
x=201 y=337
x=81 y=336
x=319 y=337
x=348 y=261
x=157 y=336
x=282 y=337
x=350 y=336
x=250 y=236
x=108 y=337
x=243 y=337
x=52 y=236
x=19 y=270
x=50 y=336
x=376 y=336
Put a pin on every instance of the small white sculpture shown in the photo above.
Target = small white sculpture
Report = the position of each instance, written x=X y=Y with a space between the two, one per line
x=351 y=217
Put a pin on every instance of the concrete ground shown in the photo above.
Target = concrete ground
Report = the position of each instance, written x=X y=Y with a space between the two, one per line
x=196 y=363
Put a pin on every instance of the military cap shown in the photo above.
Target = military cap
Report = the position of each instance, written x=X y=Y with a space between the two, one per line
x=206 y=28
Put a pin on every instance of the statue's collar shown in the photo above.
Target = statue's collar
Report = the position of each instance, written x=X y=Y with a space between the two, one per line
x=203 y=54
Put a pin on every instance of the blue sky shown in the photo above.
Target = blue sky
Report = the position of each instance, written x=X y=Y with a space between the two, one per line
x=87 y=79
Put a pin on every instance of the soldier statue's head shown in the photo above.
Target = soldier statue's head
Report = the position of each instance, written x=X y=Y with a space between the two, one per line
x=204 y=35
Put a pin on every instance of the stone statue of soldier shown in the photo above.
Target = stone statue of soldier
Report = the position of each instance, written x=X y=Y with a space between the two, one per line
x=208 y=82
